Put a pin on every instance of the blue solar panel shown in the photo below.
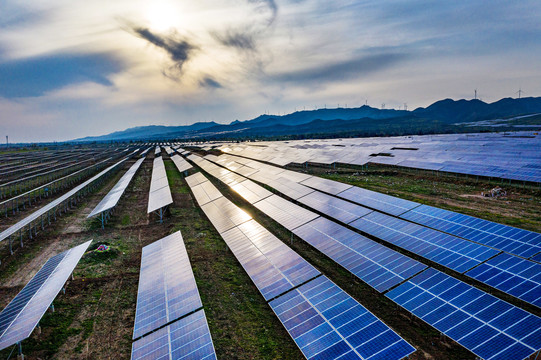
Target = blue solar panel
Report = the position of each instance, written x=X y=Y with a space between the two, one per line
x=506 y=238
x=338 y=209
x=386 y=203
x=23 y=313
x=536 y=258
x=188 y=339
x=326 y=185
x=284 y=212
x=452 y=252
x=489 y=327
x=513 y=275
x=375 y=264
x=272 y=265
x=326 y=323
x=167 y=288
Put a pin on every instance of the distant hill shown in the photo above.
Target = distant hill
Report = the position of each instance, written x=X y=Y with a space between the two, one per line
x=442 y=116
x=148 y=132
x=451 y=111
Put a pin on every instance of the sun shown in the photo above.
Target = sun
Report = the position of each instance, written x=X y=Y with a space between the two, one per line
x=162 y=16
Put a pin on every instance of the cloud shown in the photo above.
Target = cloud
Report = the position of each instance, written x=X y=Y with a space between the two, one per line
x=265 y=6
x=239 y=39
x=209 y=82
x=340 y=71
x=179 y=49
x=34 y=76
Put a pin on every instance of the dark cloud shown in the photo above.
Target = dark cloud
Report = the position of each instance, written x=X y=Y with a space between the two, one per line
x=35 y=76
x=179 y=49
x=239 y=39
x=209 y=82
x=341 y=71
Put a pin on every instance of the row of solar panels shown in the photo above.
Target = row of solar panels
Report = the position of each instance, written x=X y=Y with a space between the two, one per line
x=160 y=193
x=169 y=320
x=20 y=317
x=51 y=207
x=514 y=275
x=324 y=321
x=347 y=248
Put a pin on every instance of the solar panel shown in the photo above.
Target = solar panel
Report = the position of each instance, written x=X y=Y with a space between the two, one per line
x=167 y=289
x=326 y=185
x=336 y=208
x=452 y=252
x=195 y=179
x=23 y=313
x=536 y=258
x=513 y=275
x=251 y=191
x=160 y=194
x=506 y=238
x=205 y=192
x=290 y=188
x=326 y=323
x=224 y=215
x=375 y=264
x=113 y=196
x=490 y=328
x=188 y=338
x=285 y=212
x=272 y=265
x=181 y=164
x=385 y=203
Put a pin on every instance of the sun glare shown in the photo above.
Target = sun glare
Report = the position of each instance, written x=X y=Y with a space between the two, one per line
x=163 y=16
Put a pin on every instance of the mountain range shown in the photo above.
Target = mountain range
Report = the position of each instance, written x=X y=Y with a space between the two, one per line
x=442 y=116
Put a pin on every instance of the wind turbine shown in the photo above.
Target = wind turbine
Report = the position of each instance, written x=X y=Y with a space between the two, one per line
x=519 y=92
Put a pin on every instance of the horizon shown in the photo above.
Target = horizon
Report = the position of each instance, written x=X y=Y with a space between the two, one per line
x=70 y=70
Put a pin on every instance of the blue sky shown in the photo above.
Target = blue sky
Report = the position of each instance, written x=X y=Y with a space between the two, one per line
x=70 y=69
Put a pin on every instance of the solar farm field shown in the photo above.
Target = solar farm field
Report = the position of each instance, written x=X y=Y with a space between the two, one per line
x=183 y=251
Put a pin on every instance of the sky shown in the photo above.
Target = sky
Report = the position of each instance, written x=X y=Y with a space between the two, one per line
x=70 y=69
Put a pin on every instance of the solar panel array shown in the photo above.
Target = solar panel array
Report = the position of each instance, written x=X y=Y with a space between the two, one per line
x=188 y=338
x=113 y=196
x=491 y=155
x=324 y=321
x=443 y=248
x=375 y=264
x=490 y=328
x=506 y=238
x=513 y=275
x=449 y=251
x=23 y=313
x=160 y=194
